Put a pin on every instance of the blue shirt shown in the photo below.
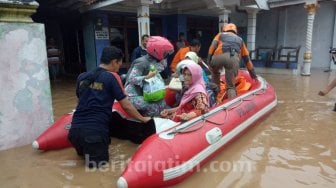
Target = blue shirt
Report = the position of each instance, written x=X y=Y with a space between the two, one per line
x=138 y=52
x=94 y=109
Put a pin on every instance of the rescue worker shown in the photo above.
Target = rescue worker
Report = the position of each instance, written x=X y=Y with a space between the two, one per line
x=226 y=50
x=195 y=46
x=96 y=91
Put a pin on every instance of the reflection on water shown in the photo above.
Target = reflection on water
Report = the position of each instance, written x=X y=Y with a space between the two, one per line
x=293 y=147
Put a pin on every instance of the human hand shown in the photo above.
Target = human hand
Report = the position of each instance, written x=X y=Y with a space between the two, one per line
x=184 y=116
x=200 y=60
x=150 y=74
x=175 y=75
x=146 y=119
x=253 y=73
x=208 y=60
x=164 y=113
x=322 y=93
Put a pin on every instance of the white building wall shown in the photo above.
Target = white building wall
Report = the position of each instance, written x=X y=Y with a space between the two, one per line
x=323 y=34
x=282 y=27
x=288 y=26
x=25 y=97
x=267 y=28
x=239 y=18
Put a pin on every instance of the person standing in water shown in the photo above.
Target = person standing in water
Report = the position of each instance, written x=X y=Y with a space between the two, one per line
x=96 y=91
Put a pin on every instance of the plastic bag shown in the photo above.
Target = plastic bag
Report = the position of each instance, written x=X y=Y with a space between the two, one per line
x=175 y=84
x=154 y=89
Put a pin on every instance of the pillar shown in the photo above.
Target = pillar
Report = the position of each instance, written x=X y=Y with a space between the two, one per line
x=251 y=29
x=26 y=108
x=223 y=19
x=143 y=20
x=332 y=65
x=311 y=9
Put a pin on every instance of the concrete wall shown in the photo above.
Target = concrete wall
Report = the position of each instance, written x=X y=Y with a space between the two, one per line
x=267 y=28
x=288 y=26
x=323 y=34
x=25 y=97
x=239 y=18
x=89 y=42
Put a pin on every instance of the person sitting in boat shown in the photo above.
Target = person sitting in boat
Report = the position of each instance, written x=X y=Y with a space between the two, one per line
x=194 y=59
x=194 y=101
x=96 y=91
x=226 y=50
x=210 y=87
x=158 y=48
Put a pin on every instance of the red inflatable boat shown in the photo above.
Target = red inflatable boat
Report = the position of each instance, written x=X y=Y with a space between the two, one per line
x=170 y=151
x=55 y=137
x=169 y=157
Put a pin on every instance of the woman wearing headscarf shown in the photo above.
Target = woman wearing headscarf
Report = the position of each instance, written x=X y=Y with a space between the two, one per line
x=158 y=48
x=210 y=87
x=194 y=101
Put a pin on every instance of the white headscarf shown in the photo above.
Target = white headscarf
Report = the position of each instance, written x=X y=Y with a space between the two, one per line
x=181 y=65
x=192 y=55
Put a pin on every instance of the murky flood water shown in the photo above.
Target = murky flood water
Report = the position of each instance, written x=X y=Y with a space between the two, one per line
x=295 y=146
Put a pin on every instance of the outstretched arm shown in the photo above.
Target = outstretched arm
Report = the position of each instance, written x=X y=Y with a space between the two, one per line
x=246 y=58
x=132 y=111
x=329 y=87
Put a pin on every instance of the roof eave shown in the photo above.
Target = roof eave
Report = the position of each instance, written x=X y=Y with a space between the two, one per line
x=281 y=3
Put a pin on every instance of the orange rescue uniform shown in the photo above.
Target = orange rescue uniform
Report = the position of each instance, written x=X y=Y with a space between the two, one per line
x=179 y=56
x=217 y=47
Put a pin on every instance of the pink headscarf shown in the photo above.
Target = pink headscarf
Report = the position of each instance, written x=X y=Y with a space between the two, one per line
x=197 y=86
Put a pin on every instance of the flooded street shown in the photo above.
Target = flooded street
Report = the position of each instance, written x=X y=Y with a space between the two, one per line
x=295 y=146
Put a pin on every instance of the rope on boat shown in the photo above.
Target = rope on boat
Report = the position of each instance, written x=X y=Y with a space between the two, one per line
x=262 y=91
x=182 y=130
x=247 y=98
x=226 y=113
x=222 y=123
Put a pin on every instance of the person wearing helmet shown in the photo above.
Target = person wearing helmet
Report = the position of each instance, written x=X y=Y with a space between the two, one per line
x=226 y=50
x=158 y=48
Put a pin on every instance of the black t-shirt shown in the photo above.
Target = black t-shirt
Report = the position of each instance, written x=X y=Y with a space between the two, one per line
x=94 y=109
